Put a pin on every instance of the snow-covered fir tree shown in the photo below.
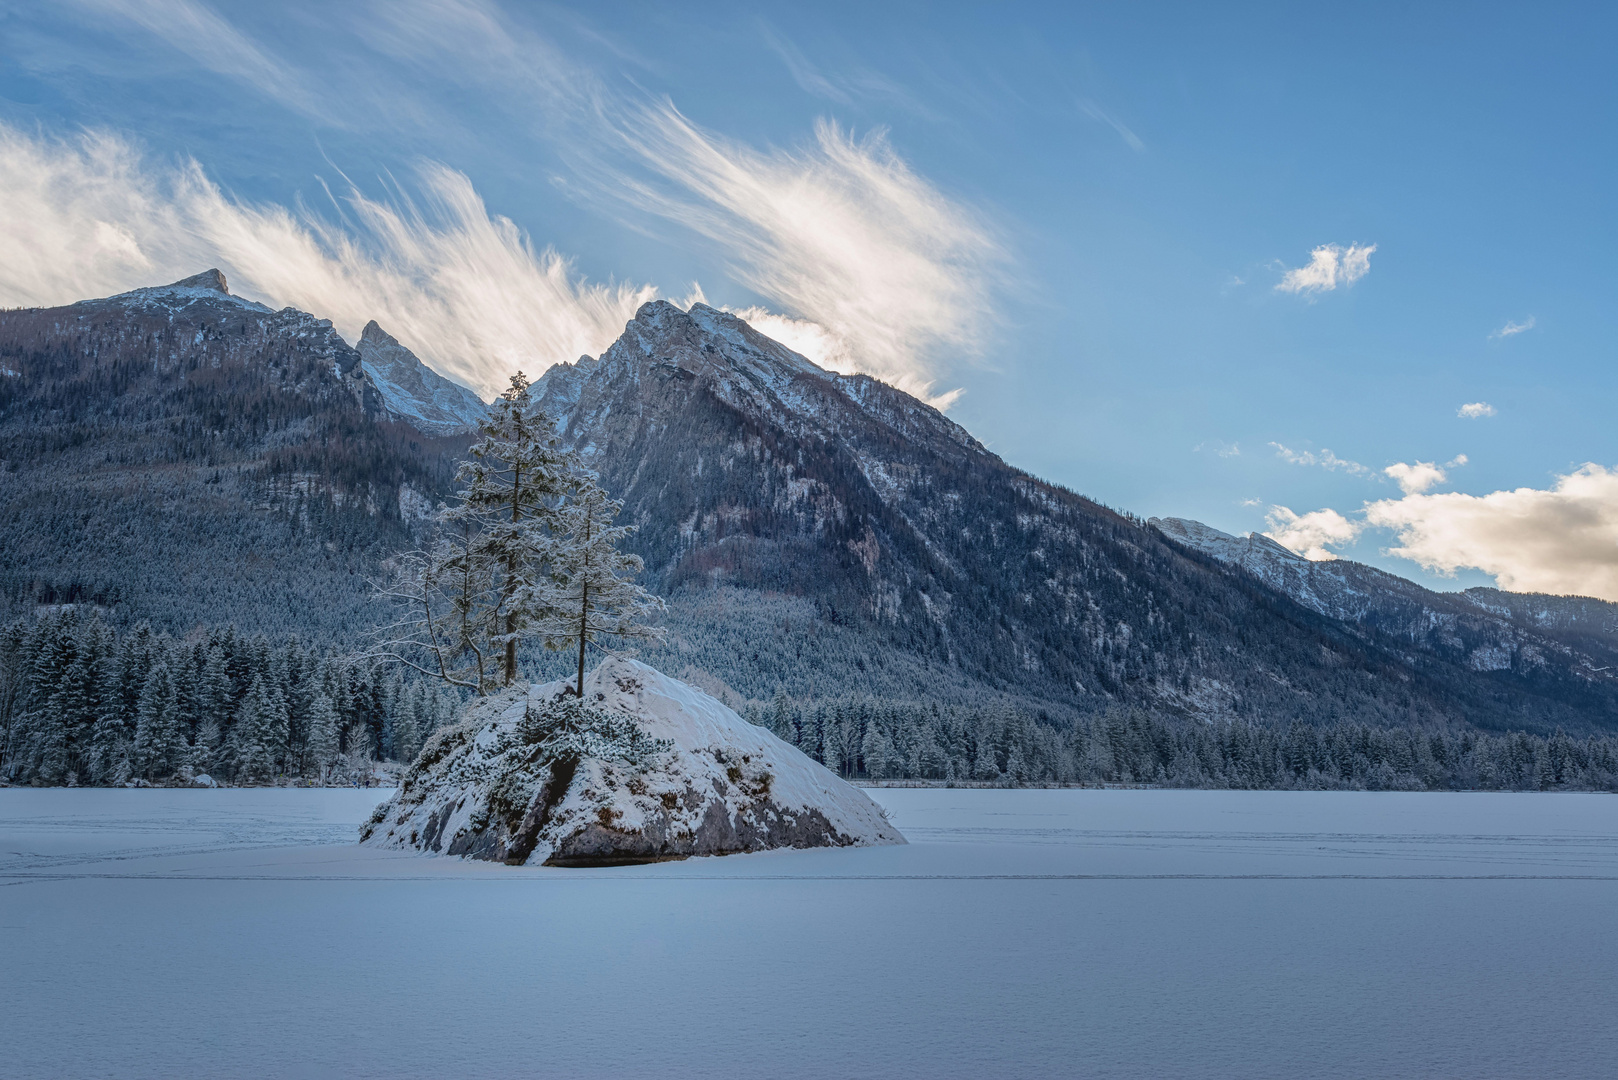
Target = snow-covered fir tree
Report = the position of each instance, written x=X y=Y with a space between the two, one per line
x=597 y=595
x=486 y=580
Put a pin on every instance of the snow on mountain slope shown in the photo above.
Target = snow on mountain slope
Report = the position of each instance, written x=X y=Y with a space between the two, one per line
x=1487 y=629
x=874 y=546
x=414 y=392
x=207 y=287
x=719 y=786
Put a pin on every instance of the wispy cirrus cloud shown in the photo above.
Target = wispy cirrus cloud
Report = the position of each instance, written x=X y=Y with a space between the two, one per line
x=1095 y=112
x=1325 y=459
x=1512 y=329
x=467 y=290
x=1330 y=266
x=220 y=47
x=840 y=232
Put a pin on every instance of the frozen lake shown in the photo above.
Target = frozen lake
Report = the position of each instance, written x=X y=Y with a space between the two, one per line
x=1022 y=933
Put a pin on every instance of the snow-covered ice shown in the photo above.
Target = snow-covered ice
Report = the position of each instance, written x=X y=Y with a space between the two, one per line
x=1020 y=933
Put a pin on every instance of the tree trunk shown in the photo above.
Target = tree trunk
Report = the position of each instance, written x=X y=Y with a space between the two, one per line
x=584 y=602
x=584 y=622
x=511 y=568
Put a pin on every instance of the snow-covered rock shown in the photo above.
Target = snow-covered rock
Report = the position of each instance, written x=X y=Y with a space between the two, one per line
x=646 y=768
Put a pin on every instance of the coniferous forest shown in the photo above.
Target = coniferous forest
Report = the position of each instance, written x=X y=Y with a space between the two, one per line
x=83 y=703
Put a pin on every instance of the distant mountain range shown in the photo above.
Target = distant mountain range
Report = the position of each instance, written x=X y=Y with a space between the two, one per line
x=185 y=456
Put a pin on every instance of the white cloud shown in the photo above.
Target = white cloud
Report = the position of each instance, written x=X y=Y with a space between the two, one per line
x=1511 y=329
x=1309 y=534
x=841 y=233
x=1473 y=410
x=1330 y=265
x=1325 y=459
x=1220 y=447
x=898 y=277
x=1562 y=540
x=465 y=290
x=1418 y=477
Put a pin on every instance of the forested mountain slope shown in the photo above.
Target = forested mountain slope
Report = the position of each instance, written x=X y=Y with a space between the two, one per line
x=829 y=534
x=188 y=457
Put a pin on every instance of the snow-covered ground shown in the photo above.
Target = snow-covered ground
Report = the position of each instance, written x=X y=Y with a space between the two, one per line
x=1021 y=933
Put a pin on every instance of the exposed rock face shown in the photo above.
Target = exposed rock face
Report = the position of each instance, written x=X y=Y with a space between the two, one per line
x=662 y=771
x=414 y=392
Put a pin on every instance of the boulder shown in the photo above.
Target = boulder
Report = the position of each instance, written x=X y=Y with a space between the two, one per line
x=643 y=768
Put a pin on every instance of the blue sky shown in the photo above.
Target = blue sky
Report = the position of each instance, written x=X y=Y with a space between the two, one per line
x=1081 y=220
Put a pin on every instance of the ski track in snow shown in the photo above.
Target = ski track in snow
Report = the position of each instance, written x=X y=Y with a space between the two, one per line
x=1027 y=933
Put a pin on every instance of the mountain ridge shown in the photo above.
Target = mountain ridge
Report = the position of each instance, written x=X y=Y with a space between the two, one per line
x=180 y=455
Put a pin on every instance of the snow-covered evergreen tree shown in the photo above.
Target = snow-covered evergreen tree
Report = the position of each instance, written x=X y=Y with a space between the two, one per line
x=160 y=749
x=322 y=749
x=598 y=596
x=486 y=580
x=257 y=734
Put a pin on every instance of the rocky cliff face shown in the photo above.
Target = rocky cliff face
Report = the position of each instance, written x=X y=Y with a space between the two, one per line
x=531 y=777
x=413 y=392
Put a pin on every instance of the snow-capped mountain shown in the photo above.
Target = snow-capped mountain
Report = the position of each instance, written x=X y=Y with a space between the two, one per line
x=414 y=392
x=185 y=456
x=1484 y=629
x=829 y=534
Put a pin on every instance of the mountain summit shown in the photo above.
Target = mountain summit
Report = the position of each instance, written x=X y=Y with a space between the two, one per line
x=415 y=392
x=828 y=534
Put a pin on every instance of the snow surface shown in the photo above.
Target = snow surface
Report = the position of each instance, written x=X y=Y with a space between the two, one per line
x=163 y=933
x=714 y=755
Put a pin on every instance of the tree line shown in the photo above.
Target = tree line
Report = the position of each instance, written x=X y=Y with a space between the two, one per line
x=83 y=703
x=869 y=739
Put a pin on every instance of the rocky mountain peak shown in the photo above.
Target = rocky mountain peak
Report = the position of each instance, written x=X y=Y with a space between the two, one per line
x=209 y=279
x=413 y=392
x=375 y=335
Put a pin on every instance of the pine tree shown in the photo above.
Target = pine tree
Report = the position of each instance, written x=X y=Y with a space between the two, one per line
x=984 y=766
x=877 y=751
x=256 y=735
x=159 y=751
x=322 y=750
x=484 y=582
x=215 y=693
x=781 y=718
x=598 y=596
